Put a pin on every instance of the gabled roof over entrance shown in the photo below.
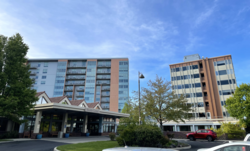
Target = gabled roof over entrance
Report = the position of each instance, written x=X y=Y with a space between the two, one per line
x=65 y=100
x=74 y=106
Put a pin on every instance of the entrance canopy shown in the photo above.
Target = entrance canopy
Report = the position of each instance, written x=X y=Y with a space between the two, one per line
x=64 y=105
x=57 y=107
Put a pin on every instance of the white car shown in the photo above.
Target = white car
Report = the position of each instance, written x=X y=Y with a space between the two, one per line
x=234 y=146
x=247 y=138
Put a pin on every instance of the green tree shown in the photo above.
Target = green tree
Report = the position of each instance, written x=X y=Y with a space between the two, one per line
x=238 y=105
x=162 y=104
x=17 y=98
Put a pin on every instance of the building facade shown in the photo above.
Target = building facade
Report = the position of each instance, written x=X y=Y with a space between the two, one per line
x=94 y=80
x=54 y=115
x=206 y=83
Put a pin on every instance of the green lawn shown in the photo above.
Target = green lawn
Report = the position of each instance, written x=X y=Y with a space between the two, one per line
x=1 y=140
x=90 y=146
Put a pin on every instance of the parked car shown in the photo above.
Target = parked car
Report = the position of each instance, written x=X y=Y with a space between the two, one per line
x=233 y=146
x=202 y=134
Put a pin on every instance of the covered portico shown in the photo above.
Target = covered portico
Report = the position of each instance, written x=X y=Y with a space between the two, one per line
x=50 y=118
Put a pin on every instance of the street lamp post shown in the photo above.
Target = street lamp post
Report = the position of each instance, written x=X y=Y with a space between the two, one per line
x=140 y=76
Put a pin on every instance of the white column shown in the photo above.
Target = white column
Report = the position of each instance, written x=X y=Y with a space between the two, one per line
x=64 y=122
x=100 y=125
x=21 y=127
x=9 y=125
x=38 y=121
x=85 y=124
x=193 y=128
x=175 y=128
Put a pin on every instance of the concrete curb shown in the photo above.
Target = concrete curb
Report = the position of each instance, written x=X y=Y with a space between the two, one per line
x=55 y=149
x=182 y=148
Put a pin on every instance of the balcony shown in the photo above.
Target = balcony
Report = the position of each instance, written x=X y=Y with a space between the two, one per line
x=74 y=83
x=202 y=78
x=76 y=77
x=205 y=98
x=100 y=78
x=33 y=73
x=105 y=107
x=68 y=95
x=103 y=72
x=33 y=66
x=68 y=89
x=103 y=66
x=105 y=94
x=103 y=83
x=207 y=107
x=79 y=95
x=105 y=89
x=201 y=70
x=80 y=89
x=76 y=72
x=76 y=66
x=105 y=102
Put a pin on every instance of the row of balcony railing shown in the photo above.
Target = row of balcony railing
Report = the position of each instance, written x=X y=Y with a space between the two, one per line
x=76 y=72
x=75 y=77
x=75 y=83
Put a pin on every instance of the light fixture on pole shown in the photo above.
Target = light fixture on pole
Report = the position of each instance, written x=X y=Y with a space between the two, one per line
x=140 y=76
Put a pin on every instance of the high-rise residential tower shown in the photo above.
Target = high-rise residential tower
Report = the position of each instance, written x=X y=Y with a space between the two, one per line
x=94 y=80
x=206 y=83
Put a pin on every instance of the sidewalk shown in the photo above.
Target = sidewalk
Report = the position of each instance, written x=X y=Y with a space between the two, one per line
x=16 y=140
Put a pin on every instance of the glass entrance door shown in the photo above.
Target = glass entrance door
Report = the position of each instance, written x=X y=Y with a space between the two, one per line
x=94 y=129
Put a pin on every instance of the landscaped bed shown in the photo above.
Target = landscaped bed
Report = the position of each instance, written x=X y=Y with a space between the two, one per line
x=89 y=146
x=2 y=140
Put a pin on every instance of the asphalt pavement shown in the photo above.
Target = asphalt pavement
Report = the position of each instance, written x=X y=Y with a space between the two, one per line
x=201 y=144
x=34 y=145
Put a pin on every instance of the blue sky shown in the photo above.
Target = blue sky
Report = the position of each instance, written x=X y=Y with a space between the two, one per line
x=151 y=33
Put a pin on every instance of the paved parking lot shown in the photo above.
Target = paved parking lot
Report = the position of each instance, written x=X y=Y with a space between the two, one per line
x=201 y=144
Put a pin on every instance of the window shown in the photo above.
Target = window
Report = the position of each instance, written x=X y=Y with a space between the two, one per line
x=36 y=77
x=224 y=82
x=226 y=92
x=45 y=70
x=223 y=103
x=46 y=64
x=195 y=67
x=220 y=63
x=200 y=104
x=195 y=76
x=198 y=94
x=232 y=81
x=187 y=95
x=42 y=82
x=43 y=77
x=178 y=78
x=197 y=85
x=173 y=70
x=179 y=86
x=187 y=86
x=222 y=72
x=184 y=68
x=177 y=69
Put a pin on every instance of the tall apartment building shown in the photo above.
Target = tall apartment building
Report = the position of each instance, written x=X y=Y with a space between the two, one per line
x=94 y=80
x=206 y=83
